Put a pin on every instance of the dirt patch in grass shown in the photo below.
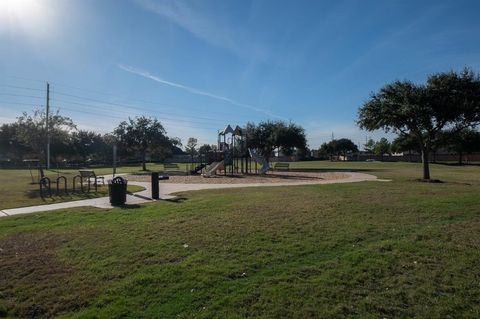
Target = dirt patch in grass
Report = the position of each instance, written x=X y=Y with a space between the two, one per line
x=34 y=282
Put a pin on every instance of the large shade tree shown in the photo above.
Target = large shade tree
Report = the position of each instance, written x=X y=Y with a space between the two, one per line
x=269 y=136
x=142 y=136
x=31 y=131
x=89 y=145
x=10 y=147
x=343 y=146
x=447 y=100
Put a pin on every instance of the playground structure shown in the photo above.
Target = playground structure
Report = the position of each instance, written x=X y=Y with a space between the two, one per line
x=233 y=155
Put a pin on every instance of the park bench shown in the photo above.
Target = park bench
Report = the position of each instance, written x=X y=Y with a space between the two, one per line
x=281 y=166
x=169 y=167
x=91 y=174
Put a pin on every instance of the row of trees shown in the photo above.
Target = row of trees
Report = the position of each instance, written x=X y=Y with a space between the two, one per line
x=140 y=139
x=458 y=142
x=136 y=139
x=461 y=142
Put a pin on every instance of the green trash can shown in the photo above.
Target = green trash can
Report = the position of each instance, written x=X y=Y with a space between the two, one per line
x=117 y=191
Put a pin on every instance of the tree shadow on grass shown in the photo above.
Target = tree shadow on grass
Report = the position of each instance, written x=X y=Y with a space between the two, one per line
x=457 y=164
x=129 y=206
x=62 y=196
x=177 y=200
x=320 y=170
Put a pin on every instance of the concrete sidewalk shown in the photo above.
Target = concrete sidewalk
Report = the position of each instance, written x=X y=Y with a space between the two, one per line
x=167 y=189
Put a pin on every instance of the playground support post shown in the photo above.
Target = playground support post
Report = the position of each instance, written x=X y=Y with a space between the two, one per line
x=114 y=160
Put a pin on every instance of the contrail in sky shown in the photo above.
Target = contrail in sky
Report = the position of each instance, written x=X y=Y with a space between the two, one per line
x=150 y=76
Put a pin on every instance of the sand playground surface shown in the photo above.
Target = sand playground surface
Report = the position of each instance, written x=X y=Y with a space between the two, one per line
x=270 y=177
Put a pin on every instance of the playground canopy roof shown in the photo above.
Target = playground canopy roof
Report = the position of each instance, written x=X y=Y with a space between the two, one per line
x=229 y=130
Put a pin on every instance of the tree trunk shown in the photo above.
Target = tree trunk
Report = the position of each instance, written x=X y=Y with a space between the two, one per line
x=460 y=158
x=425 y=163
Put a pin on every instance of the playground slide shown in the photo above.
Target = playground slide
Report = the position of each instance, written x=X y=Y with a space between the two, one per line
x=260 y=160
x=214 y=167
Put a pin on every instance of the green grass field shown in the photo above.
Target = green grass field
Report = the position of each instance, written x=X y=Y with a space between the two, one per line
x=397 y=249
x=17 y=189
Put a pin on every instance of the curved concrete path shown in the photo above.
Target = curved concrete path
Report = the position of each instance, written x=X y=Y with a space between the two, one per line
x=167 y=189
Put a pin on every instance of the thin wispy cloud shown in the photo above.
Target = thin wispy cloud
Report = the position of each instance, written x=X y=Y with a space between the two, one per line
x=192 y=90
x=208 y=26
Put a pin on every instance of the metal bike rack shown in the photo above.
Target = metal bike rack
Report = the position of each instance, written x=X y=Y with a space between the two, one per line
x=59 y=178
x=75 y=182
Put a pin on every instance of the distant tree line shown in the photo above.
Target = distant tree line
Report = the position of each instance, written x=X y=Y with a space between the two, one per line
x=461 y=143
x=136 y=139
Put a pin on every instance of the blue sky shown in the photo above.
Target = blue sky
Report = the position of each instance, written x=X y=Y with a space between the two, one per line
x=199 y=65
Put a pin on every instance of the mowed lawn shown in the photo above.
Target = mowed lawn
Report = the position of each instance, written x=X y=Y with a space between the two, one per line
x=362 y=250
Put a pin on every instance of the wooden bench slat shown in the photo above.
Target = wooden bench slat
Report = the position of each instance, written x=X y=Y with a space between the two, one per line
x=281 y=166
x=171 y=167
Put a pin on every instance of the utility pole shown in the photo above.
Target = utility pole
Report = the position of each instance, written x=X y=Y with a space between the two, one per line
x=115 y=161
x=47 y=125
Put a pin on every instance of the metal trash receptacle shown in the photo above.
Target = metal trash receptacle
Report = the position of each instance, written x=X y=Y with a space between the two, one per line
x=117 y=191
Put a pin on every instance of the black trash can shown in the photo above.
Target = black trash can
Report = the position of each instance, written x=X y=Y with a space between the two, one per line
x=117 y=191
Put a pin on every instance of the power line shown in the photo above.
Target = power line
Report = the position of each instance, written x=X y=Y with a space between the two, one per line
x=108 y=94
x=176 y=116
x=138 y=108
x=22 y=95
x=103 y=114
x=133 y=106
x=20 y=103
x=123 y=118
x=130 y=114
x=21 y=87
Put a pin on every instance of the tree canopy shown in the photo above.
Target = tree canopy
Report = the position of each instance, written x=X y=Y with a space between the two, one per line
x=88 y=144
x=31 y=131
x=143 y=136
x=204 y=149
x=447 y=100
x=269 y=136
x=341 y=146
x=191 y=147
